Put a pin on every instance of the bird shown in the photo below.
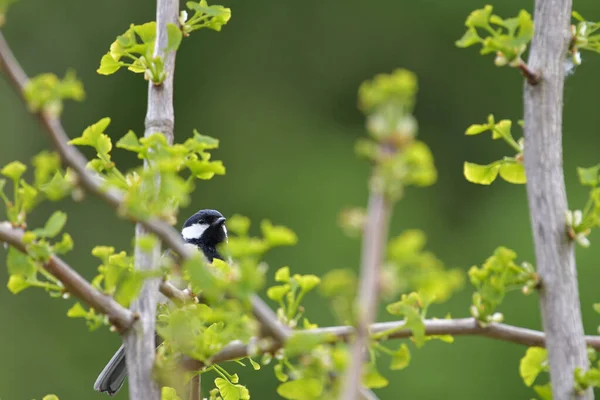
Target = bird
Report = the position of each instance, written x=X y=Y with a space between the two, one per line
x=204 y=230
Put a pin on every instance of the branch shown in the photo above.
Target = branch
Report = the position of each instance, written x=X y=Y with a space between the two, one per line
x=433 y=327
x=113 y=197
x=375 y=236
x=160 y=118
x=75 y=284
x=555 y=258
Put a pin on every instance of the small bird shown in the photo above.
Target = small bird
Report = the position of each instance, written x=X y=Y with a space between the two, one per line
x=205 y=230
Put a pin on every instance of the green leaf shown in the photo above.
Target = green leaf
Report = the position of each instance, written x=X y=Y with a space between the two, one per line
x=47 y=92
x=168 y=393
x=129 y=288
x=513 y=172
x=53 y=226
x=481 y=174
x=174 y=37
x=588 y=176
x=408 y=307
x=50 y=397
x=278 y=235
x=276 y=293
x=534 y=362
x=20 y=264
x=229 y=391
x=479 y=18
x=108 y=65
x=238 y=224
x=302 y=343
x=476 y=129
x=95 y=137
x=372 y=379
x=301 y=389
x=307 y=282
x=255 y=365
x=130 y=142
x=502 y=129
x=14 y=170
x=468 y=39
x=544 y=391
x=16 y=284
x=597 y=307
x=400 y=358
x=279 y=374
x=77 y=311
x=282 y=274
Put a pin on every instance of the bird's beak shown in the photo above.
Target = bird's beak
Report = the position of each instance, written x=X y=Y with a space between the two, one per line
x=219 y=221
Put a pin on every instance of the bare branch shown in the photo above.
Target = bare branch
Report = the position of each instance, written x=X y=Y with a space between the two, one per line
x=196 y=387
x=75 y=284
x=375 y=236
x=555 y=258
x=160 y=118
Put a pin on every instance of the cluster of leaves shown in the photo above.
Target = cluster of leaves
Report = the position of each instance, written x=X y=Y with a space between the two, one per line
x=511 y=169
x=580 y=223
x=399 y=160
x=136 y=47
x=46 y=92
x=142 y=197
x=26 y=269
x=507 y=38
x=531 y=366
x=498 y=275
x=584 y=37
x=205 y=16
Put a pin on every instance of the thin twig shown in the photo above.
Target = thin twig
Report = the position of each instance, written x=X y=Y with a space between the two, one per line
x=75 y=284
x=374 y=239
x=546 y=193
x=532 y=78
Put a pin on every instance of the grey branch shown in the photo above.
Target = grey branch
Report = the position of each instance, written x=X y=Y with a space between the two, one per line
x=555 y=258
x=160 y=118
x=374 y=239
x=75 y=284
x=433 y=327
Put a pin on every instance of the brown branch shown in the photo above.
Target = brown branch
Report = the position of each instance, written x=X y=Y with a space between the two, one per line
x=532 y=78
x=546 y=193
x=374 y=239
x=75 y=284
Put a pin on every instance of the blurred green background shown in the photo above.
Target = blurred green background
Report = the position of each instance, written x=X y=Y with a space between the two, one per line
x=278 y=87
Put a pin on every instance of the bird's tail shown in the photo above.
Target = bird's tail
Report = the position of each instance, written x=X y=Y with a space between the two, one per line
x=113 y=375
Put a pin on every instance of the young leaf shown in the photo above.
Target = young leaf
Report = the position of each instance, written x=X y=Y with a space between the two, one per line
x=53 y=226
x=229 y=391
x=174 y=37
x=372 y=379
x=278 y=235
x=168 y=393
x=301 y=389
x=534 y=362
x=513 y=172
x=588 y=176
x=14 y=170
x=481 y=174
x=400 y=358
x=16 y=284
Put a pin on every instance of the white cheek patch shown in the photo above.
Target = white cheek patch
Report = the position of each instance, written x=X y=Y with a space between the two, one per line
x=194 y=231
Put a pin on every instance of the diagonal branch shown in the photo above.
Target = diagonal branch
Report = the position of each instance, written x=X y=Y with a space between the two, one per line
x=75 y=284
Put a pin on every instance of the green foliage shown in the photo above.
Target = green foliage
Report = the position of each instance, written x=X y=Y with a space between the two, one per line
x=290 y=293
x=584 y=37
x=399 y=159
x=50 y=397
x=205 y=16
x=168 y=393
x=580 y=223
x=46 y=92
x=142 y=197
x=409 y=267
x=301 y=389
x=507 y=38
x=92 y=319
x=134 y=49
x=494 y=278
x=511 y=169
x=230 y=391
x=533 y=363
x=413 y=308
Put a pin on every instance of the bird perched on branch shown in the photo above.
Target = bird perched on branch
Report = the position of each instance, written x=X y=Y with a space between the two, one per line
x=205 y=230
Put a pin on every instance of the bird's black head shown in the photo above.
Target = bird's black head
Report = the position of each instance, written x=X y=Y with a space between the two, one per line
x=205 y=229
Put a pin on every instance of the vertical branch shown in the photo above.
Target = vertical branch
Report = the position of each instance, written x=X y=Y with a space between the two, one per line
x=195 y=387
x=559 y=294
x=374 y=239
x=160 y=117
